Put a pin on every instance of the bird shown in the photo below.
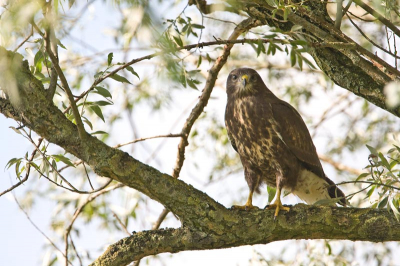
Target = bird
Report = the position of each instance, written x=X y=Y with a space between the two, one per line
x=274 y=144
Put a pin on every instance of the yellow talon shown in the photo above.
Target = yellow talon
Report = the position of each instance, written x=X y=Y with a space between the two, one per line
x=248 y=206
x=277 y=204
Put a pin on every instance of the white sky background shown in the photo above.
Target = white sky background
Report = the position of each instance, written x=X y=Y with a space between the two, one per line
x=22 y=244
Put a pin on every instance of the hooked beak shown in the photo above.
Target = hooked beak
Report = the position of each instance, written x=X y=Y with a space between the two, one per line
x=245 y=80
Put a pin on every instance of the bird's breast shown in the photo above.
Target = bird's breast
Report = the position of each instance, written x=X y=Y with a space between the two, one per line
x=252 y=128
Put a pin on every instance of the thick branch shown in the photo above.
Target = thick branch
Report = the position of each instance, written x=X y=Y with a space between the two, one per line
x=249 y=228
x=357 y=69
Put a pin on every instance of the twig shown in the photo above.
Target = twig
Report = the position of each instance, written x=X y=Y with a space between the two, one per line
x=160 y=219
x=371 y=41
x=121 y=223
x=368 y=182
x=28 y=170
x=80 y=209
x=154 y=137
x=81 y=129
x=76 y=252
x=339 y=14
x=87 y=175
x=24 y=41
x=40 y=231
x=381 y=18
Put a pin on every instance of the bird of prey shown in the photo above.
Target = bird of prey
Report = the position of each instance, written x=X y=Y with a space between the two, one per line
x=273 y=142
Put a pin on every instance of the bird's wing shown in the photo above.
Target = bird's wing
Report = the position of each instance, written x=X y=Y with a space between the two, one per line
x=296 y=136
x=232 y=140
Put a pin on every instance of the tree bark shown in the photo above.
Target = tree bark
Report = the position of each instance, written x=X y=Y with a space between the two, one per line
x=258 y=227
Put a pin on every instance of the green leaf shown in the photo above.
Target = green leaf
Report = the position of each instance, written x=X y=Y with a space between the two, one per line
x=197 y=26
x=55 y=173
x=370 y=191
x=97 y=111
x=12 y=161
x=383 y=202
x=384 y=161
x=300 y=61
x=362 y=176
x=60 y=44
x=103 y=92
x=392 y=164
x=16 y=130
x=296 y=28
x=299 y=42
x=292 y=57
x=199 y=61
x=271 y=193
x=99 y=132
x=110 y=58
x=119 y=78
x=102 y=103
x=87 y=121
x=394 y=209
x=130 y=69
x=372 y=150
x=37 y=61
x=260 y=47
x=178 y=40
x=62 y=158
x=286 y=13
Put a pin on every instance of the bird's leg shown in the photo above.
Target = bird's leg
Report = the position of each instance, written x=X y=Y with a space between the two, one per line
x=277 y=204
x=249 y=203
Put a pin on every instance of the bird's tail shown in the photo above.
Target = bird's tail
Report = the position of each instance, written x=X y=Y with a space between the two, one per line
x=335 y=192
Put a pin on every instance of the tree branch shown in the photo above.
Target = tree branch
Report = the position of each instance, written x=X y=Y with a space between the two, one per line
x=348 y=68
x=257 y=227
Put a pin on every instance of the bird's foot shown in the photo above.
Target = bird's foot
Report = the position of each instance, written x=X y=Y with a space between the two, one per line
x=246 y=207
x=278 y=206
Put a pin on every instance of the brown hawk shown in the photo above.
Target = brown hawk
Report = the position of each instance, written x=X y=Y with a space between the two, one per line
x=273 y=143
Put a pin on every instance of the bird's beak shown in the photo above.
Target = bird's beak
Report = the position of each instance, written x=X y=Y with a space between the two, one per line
x=245 y=80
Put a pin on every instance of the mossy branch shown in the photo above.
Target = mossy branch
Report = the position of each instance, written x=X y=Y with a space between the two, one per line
x=257 y=227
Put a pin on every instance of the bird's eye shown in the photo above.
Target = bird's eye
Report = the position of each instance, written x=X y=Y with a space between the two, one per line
x=253 y=78
x=234 y=77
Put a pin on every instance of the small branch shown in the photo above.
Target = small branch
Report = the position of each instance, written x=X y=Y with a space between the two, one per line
x=160 y=219
x=121 y=223
x=38 y=229
x=210 y=82
x=25 y=40
x=154 y=137
x=54 y=59
x=369 y=182
x=371 y=41
x=76 y=252
x=339 y=14
x=80 y=209
x=381 y=18
x=87 y=175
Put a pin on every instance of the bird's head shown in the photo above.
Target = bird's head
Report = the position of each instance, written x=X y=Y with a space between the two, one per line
x=244 y=82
